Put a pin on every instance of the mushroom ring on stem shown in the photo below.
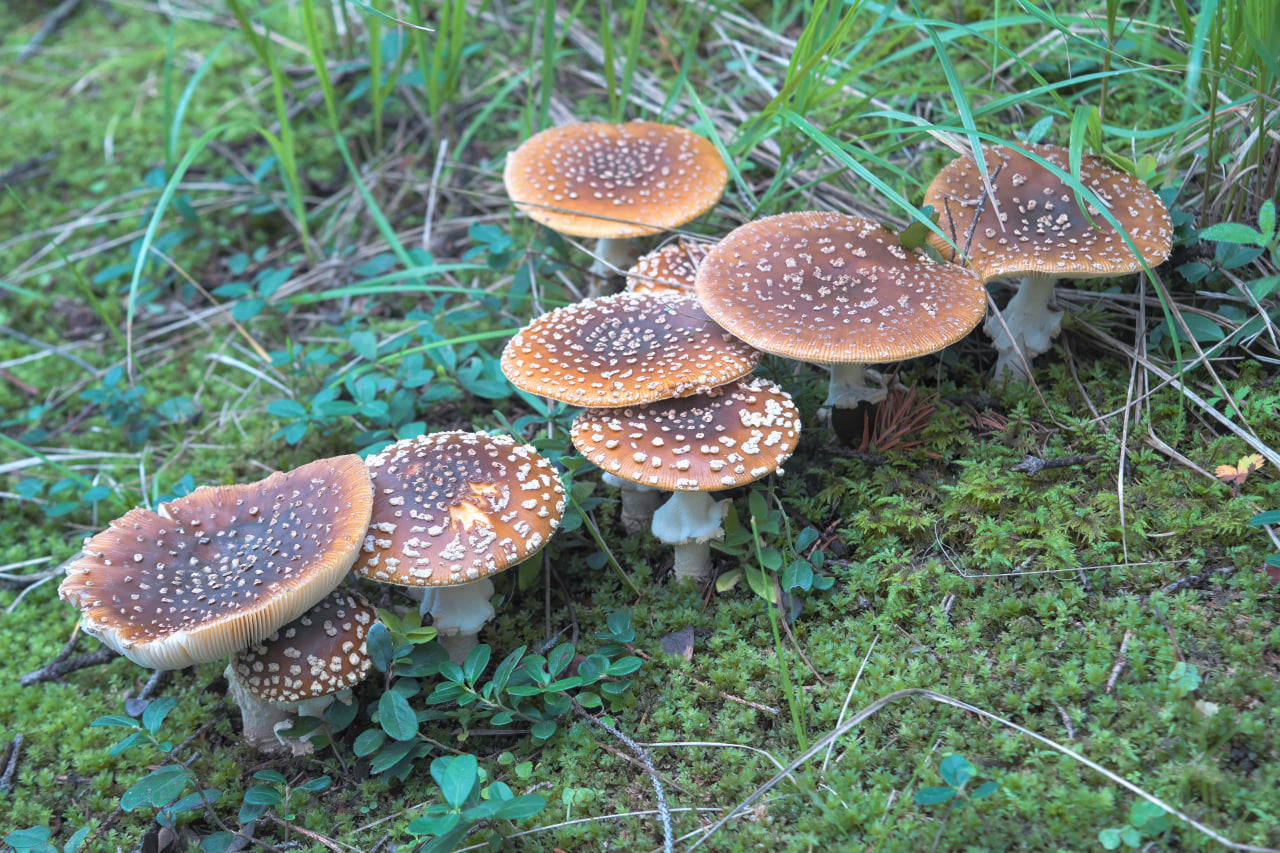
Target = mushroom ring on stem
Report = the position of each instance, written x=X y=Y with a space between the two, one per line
x=833 y=289
x=301 y=669
x=1033 y=226
x=730 y=436
x=451 y=509
x=209 y=573
x=614 y=182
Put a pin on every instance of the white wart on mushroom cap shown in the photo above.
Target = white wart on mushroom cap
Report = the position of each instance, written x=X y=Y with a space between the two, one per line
x=674 y=267
x=222 y=567
x=828 y=288
x=728 y=437
x=455 y=507
x=625 y=349
x=1034 y=224
x=615 y=180
x=320 y=653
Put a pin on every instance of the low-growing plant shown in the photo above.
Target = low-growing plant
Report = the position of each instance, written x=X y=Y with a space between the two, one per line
x=467 y=803
x=1146 y=821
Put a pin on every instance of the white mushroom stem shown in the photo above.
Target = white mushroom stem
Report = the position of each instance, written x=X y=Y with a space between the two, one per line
x=849 y=388
x=613 y=257
x=638 y=501
x=459 y=612
x=264 y=721
x=689 y=521
x=1029 y=327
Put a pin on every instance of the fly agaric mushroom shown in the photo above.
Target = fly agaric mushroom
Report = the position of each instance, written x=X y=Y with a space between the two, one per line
x=451 y=509
x=625 y=349
x=827 y=288
x=301 y=669
x=1034 y=227
x=614 y=182
x=728 y=437
x=223 y=567
x=674 y=267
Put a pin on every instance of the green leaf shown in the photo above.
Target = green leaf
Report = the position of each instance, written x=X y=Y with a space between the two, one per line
x=984 y=790
x=132 y=740
x=1109 y=838
x=131 y=723
x=378 y=642
x=263 y=795
x=320 y=783
x=1271 y=516
x=625 y=666
x=956 y=770
x=458 y=779
x=1143 y=812
x=1233 y=232
x=433 y=824
x=933 y=796
x=156 y=789
x=368 y=741
x=218 y=842
x=28 y=837
x=561 y=656
x=365 y=345
x=521 y=807
x=272 y=777
x=1267 y=220
x=477 y=660
x=396 y=717
x=1131 y=837
x=543 y=729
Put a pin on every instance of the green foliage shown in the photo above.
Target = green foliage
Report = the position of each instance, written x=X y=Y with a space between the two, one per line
x=467 y=804
x=1146 y=821
x=956 y=773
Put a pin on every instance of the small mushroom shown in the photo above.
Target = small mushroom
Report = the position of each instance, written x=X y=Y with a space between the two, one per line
x=451 y=509
x=833 y=289
x=223 y=567
x=624 y=349
x=730 y=436
x=672 y=268
x=615 y=182
x=301 y=669
x=1033 y=227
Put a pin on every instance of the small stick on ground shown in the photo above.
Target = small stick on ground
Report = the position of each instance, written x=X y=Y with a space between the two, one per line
x=52 y=21
x=314 y=836
x=58 y=668
x=1173 y=638
x=11 y=755
x=1032 y=465
x=1121 y=660
x=1066 y=720
x=1198 y=581
x=664 y=813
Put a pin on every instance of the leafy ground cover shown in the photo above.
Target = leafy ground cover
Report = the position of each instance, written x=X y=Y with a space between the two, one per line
x=238 y=238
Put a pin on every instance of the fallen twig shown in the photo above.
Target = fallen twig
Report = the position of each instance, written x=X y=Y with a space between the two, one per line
x=52 y=21
x=58 y=668
x=11 y=764
x=1032 y=465
x=1198 y=581
x=1121 y=660
x=664 y=814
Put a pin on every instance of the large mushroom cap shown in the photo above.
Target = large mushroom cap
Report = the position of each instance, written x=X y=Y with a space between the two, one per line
x=455 y=507
x=615 y=180
x=624 y=349
x=222 y=567
x=1034 y=225
x=674 y=267
x=828 y=288
x=318 y=654
x=728 y=437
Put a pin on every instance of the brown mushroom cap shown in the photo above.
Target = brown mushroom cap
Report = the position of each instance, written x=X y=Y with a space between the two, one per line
x=1036 y=227
x=728 y=437
x=319 y=653
x=222 y=567
x=828 y=288
x=625 y=349
x=454 y=507
x=615 y=180
x=673 y=267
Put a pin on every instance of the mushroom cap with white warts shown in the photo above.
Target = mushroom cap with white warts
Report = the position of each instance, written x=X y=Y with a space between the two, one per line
x=1034 y=224
x=222 y=567
x=454 y=507
x=828 y=288
x=728 y=437
x=671 y=268
x=625 y=349
x=615 y=180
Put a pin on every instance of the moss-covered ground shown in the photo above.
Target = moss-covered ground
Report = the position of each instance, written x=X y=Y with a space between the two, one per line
x=1118 y=605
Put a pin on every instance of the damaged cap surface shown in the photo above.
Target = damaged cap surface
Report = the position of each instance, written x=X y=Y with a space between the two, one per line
x=222 y=567
x=829 y=288
x=1035 y=226
x=320 y=653
x=615 y=180
x=729 y=437
x=625 y=349
x=454 y=507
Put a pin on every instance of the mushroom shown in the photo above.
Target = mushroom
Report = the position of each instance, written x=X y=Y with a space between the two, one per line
x=301 y=669
x=615 y=182
x=629 y=348
x=691 y=446
x=833 y=289
x=673 y=267
x=1034 y=227
x=209 y=573
x=451 y=509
